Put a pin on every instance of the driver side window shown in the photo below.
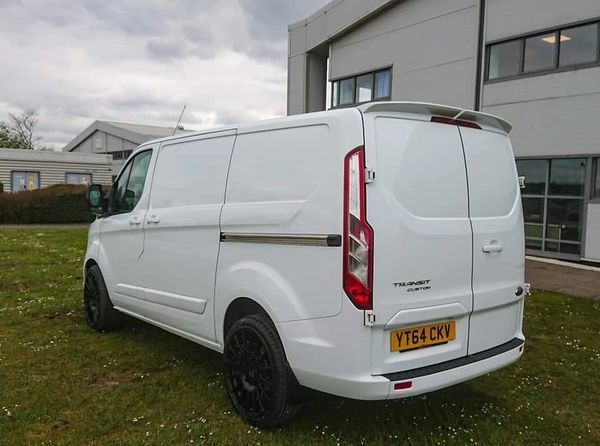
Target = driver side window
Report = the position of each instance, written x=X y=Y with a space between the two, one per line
x=130 y=185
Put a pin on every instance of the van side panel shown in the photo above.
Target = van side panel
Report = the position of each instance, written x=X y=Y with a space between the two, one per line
x=286 y=181
x=182 y=232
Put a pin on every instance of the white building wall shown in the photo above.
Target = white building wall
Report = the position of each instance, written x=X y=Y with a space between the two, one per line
x=507 y=18
x=431 y=46
x=552 y=115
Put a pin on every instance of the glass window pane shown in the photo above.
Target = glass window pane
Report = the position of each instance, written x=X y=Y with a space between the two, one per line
x=570 y=248
x=334 y=93
x=364 y=88
x=533 y=214
x=567 y=177
x=596 y=191
x=135 y=185
x=564 y=219
x=533 y=244
x=119 y=188
x=347 y=91
x=22 y=181
x=505 y=59
x=540 y=52
x=534 y=172
x=383 y=84
x=79 y=178
x=579 y=45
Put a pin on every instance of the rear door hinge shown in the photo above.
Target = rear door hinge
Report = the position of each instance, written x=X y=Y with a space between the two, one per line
x=369 y=175
x=369 y=318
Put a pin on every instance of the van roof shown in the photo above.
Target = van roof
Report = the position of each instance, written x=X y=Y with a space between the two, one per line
x=421 y=109
x=428 y=109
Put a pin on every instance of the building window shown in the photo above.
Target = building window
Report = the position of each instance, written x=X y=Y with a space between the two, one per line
x=579 y=45
x=22 y=181
x=375 y=85
x=553 y=204
x=121 y=155
x=567 y=47
x=505 y=59
x=78 y=178
x=596 y=188
x=347 y=91
x=540 y=52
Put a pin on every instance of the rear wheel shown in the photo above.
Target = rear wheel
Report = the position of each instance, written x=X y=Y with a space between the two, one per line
x=258 y=380
x=99 y=311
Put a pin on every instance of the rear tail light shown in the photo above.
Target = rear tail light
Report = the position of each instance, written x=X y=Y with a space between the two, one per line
x=358 y=235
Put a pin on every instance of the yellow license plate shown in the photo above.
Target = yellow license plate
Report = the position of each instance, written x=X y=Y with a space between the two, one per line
x=423 y=336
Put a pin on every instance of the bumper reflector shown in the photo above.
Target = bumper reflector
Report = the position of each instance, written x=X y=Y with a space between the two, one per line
x=403 y=385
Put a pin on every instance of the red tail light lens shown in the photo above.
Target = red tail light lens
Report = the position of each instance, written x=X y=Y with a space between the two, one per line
x=358 y=235
x=459 y=122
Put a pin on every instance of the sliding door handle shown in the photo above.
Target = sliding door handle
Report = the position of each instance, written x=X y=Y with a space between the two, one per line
x=152 y=219
x=135 y=220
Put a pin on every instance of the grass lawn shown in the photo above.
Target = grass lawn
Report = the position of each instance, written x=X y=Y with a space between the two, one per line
x=61 y=383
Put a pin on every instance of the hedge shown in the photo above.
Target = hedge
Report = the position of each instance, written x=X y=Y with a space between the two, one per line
x=55 y=204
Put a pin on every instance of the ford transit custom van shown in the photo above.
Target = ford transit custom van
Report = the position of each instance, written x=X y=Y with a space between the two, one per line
x=374 y=252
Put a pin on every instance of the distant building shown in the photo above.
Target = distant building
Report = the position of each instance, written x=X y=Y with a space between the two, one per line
x=118 y=139
x=34 y=169
x=535 y=63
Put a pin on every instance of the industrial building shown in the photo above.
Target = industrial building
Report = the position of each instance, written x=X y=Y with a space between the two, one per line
x=117 y=139
x=535 y=63
x=22 y=170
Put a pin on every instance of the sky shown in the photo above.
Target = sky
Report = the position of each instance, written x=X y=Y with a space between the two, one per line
x=140 y=61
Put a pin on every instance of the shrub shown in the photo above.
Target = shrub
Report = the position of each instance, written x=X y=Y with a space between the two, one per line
x=55 y=204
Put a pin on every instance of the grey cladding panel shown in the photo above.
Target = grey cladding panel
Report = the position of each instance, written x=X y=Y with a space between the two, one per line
x=559 y=127
x=506 y=18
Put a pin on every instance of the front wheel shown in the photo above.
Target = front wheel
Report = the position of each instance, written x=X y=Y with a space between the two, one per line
x=258 y=380
x=99 y=311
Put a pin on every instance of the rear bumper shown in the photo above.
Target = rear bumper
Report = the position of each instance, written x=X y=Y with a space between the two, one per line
x=422 y=380
x=438 y=376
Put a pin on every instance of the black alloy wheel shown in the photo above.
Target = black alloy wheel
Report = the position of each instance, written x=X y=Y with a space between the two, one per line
x=99 y=311
x=257 y=376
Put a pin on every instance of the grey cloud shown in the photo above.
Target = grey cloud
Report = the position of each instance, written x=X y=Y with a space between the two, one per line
x=141 y=60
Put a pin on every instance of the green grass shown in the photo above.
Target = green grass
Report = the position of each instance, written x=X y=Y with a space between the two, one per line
x=61 y=383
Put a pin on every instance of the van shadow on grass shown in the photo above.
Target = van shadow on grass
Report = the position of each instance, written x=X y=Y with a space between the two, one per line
x=452 y=411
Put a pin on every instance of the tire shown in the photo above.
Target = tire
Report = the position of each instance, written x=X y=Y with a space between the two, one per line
x=99 y=311
x=258 y=379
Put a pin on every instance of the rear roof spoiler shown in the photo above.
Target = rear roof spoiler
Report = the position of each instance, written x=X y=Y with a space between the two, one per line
x=430 y=110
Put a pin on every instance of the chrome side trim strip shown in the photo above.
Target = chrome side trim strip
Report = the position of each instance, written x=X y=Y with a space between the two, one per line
x=284 y=239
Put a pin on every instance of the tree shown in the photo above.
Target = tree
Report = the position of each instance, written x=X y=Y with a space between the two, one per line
x=19 y=132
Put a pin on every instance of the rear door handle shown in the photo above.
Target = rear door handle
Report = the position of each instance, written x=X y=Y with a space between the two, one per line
x=135 y=220
x=492 y=247
x=153 y=219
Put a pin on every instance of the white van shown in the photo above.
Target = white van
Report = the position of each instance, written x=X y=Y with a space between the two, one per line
x=374 y=252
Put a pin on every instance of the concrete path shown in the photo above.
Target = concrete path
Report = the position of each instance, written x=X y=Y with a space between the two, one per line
x=563 y=277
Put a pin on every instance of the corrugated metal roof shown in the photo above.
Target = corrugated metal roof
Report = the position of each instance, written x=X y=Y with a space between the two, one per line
x=135 y=133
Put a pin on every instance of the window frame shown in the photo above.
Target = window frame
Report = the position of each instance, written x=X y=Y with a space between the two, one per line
x=113 y=189
x=39 y=176
x=79 y=173
x=556 y=68
x=336 y=83
x=595 y=177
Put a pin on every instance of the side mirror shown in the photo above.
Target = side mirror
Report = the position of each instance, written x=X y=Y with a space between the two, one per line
x=95 y=201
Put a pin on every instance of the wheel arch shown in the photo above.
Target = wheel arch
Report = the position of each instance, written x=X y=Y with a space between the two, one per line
x=242 y=307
